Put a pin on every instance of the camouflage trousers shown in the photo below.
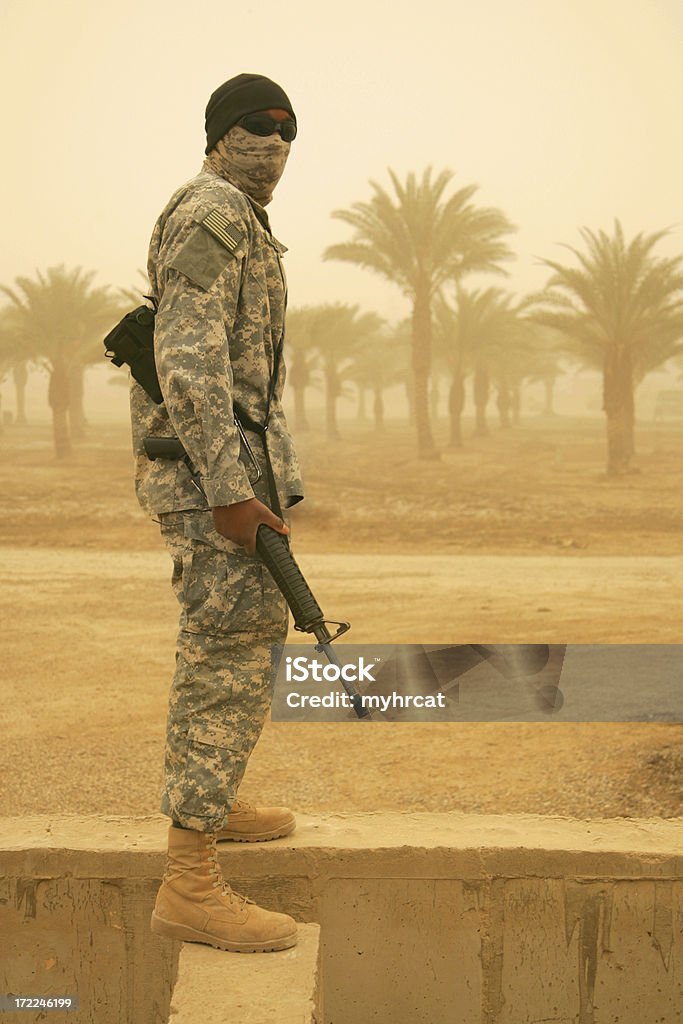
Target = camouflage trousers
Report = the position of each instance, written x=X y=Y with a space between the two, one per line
x=231 y=614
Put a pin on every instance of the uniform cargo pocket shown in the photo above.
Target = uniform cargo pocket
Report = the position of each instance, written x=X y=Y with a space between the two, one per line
x=213 y=767
x=215 y=734
x=216 y=573
x=213 y=588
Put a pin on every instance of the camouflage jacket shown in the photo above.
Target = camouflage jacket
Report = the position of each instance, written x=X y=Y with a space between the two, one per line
x=216 y=272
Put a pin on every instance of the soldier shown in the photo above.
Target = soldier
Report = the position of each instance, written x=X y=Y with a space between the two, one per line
x=216 y=273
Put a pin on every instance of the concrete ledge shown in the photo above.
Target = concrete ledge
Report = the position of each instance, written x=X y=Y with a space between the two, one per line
x=424 y=918
x=506 y=845
x=260 y=988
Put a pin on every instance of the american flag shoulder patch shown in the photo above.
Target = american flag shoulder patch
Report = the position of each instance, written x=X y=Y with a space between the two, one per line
x=220 y=227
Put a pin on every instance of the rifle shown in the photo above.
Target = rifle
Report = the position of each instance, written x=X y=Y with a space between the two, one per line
x=131 y=342
x=273 y=549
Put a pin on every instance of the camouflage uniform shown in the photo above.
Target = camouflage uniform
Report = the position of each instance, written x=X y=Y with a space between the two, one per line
x=216 y=271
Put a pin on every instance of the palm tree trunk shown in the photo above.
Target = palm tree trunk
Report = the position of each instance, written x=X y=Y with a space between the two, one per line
x=421 y=362
x=408 y=384
x=481 y=400
x=503 y=401
x=456 y=404
x=618 y=448
x=77 y=419
x=378 y=410
x=300 y=421
x=631 y=438
x=331 y=392
x=549 y=389
x=618 y=406
x=434 y=398
x=516 y=399
x=631 y=427
x=298 y=379
x=20 y=374
x=58 y=400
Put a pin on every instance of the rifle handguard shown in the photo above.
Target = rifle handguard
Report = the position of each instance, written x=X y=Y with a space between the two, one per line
x=273 y=549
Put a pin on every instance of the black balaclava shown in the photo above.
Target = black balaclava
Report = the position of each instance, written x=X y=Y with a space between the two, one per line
x=243 y=94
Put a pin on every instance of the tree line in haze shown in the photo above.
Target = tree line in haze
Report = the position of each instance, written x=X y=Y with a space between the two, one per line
x=617 y=308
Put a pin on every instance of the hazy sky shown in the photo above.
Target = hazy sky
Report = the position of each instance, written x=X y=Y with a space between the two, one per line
x=563 y=114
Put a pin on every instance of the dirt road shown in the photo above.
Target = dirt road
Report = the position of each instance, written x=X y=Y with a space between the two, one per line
x=85 y=707
x=516 y=537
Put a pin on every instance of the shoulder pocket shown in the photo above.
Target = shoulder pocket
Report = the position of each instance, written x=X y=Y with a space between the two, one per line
x=202 y=258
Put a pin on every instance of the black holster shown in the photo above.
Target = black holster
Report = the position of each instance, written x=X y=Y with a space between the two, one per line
x=132 y=342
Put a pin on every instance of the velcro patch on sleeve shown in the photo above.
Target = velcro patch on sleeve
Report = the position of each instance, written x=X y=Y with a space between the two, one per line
x=222 y=230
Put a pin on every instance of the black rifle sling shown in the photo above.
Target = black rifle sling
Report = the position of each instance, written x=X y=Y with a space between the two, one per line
x=262 y=428
x=246 y=422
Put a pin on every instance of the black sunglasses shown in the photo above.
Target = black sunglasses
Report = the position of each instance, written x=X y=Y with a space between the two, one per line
x=264 y=124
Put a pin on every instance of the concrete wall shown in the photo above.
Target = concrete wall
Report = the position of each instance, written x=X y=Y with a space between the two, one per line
x=77 y=923
x=426 y=919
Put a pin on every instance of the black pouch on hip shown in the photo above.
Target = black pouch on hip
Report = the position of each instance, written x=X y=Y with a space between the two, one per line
x=132 y=342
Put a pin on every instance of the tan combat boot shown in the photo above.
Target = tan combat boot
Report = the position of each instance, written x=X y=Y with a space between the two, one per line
x=249 y=824
x=196 y=904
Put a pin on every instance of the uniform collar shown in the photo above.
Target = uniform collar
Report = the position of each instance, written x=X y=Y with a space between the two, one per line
x=260 y=213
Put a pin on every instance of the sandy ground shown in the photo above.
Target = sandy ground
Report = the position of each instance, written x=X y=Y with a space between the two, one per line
x=507 y=541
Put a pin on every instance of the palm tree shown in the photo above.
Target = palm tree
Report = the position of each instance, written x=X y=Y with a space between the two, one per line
x=621 y=310
x=541 y=363
x=376 y=366
x=402 y=333
x=59 y=320
x=440 y=369
x=483 y=324
x=418 y=241
x=514 y=358
x=302 y=361
x=13 y=358
x=20 y=374
x=337 y=332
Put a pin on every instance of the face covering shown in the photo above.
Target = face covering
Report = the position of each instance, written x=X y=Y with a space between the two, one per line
x=252 y=163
